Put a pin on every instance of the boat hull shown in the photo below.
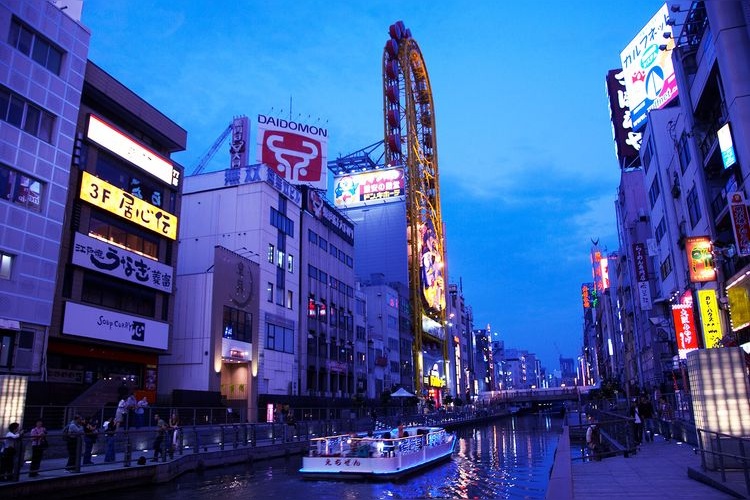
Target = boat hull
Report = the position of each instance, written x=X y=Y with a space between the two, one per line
x=379 y=467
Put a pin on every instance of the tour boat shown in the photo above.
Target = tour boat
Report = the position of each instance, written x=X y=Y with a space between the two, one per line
x=380 y=455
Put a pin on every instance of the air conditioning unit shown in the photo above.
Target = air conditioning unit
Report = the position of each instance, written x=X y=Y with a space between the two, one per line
x=642 y=215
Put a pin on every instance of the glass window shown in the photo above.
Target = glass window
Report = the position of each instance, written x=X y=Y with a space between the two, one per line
x=6 y=265
x=290 y=263
x=312 y=236
x=43 y=52
x=323 y=243
x=271 y=253
x=289 y=299
x=269 y=292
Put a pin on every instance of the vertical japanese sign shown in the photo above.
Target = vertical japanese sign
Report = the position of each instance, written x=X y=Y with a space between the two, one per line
x=649 y=73
x=684 y=326
x=728 y=156
x=586 y=296
x=627 y=142
x=740 y=222
x=700 y=259
x=710 y=320
x=640 y=261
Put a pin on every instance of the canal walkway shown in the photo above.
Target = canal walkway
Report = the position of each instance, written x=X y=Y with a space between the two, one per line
x=660 y=469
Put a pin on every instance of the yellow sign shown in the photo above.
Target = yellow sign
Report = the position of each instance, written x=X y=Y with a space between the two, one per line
x=436 y=381
x=710 y=320
x=115 y=200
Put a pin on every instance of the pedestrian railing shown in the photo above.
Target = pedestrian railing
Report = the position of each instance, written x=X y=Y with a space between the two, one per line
x=725 y=453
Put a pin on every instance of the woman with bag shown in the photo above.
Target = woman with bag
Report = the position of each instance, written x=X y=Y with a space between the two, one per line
x=38 y=445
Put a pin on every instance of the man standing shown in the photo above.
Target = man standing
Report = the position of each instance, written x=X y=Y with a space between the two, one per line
x=73 y=433
x=594 y=439
x=161 y=431
x=646 y=411
x=38 y=445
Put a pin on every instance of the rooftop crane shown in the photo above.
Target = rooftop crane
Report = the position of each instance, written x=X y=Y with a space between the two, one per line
x=211 y=151
x=239 y=128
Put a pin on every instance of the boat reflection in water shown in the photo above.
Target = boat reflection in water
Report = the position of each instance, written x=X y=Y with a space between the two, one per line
x=509 y=458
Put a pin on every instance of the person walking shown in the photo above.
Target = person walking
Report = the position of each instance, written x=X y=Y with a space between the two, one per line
x=161 y=431
x=73 y=432
x=637 y=424
x=666 y=415
x=90 y=436
x=646 y=412
x=38 y=445
x=110 y=428
x=594 y=439
x=8 y=457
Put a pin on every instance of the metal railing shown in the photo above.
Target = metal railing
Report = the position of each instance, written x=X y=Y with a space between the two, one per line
x=724 y=452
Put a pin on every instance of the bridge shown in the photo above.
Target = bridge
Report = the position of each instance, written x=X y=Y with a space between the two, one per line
x=533 y=397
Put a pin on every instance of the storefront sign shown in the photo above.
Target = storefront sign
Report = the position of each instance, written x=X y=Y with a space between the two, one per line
x=710 y=319
x=684 y=325
x=113 y=326
x=64 y=376
x=113 y=199
x=740 y=222
x=100 y=256
x=700 y=259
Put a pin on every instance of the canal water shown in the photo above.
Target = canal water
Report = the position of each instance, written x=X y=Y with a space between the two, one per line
x=509 y=458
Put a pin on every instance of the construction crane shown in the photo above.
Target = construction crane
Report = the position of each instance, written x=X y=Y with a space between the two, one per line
x=208 y=155
x=239 y=129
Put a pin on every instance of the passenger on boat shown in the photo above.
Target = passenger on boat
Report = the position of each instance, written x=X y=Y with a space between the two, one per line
x=400 y=429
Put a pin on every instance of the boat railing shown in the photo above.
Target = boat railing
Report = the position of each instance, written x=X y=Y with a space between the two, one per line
x=378 y=445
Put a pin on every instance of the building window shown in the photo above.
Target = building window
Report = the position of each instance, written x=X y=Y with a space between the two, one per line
x=289 y=299
x=323 y=243
x=116 y=173
x=130 y=239
x=25 y=115
x=115 y=294
x=271 y=253
x=238 y=325
x=349 y=261
x=20 y=189
x=279 y=296
x=6 y=265
x=290 y=263
x=653 y=193
x=683 y=151
x=661 y=229
x=279 y=338
x=6 y=348
x=323 y=277
x=312 y=271
x=693 y=206
x=666 y=267
x=312 y=237
x=282 y=222
x=280 y=260
x=269 y=292
x=647 y=152
x=32 y=44
x=361 y=332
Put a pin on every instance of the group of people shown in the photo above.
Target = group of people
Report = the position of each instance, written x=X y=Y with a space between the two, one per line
x=11 y=445
x=647 y=421
x=131 y=412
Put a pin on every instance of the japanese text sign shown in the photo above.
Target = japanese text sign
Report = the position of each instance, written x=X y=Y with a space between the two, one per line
x=710 y=321
x=684 y=326
x=700 y=259
x=112 y=199
x=740 y=222
x=640 y=260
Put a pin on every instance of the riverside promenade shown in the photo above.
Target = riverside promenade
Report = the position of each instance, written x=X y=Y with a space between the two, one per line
x=659 y=469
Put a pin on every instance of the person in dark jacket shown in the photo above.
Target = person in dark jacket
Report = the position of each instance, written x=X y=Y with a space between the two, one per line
x=646 y=412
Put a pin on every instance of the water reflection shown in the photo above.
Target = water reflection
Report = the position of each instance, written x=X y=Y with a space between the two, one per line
x=510 y=458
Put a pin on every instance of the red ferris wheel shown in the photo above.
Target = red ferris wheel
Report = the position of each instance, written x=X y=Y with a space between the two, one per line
x=410 y=142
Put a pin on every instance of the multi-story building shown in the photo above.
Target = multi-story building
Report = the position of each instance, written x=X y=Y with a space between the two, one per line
x=114 y=301
x=237 y=331
x=460 y=344
x=329 y=358
x=42 y=69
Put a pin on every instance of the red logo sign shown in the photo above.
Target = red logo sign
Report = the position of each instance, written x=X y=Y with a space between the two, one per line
x=297 y=158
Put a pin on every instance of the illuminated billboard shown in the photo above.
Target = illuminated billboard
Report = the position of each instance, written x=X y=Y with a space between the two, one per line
x=700 y=259
x=627 y=141
x=114 y=200
x=353 y=190
x=728 y=156
x=710 y=320
x=740 y=222
x=126 y=148
x=295 y=151
x=649 y=74
x=684 y=326
x=431 y=267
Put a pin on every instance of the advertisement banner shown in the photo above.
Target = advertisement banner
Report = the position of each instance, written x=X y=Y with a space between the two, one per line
x=114 y=326
x=117 y=262
x=649 y=74
x=353 y=190
x=684 y=325
x=640 y=259
x=728 y=156
x=431 y=267
x=710 y=320
x=740 y=222
x=700 y=259
x=114 y=200
x=295 y=151
x=126 y=148
x=627 y=141
x=644 y=295
x=315 y=203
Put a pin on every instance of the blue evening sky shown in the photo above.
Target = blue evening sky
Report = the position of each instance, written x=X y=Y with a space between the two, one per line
x=527 y=168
